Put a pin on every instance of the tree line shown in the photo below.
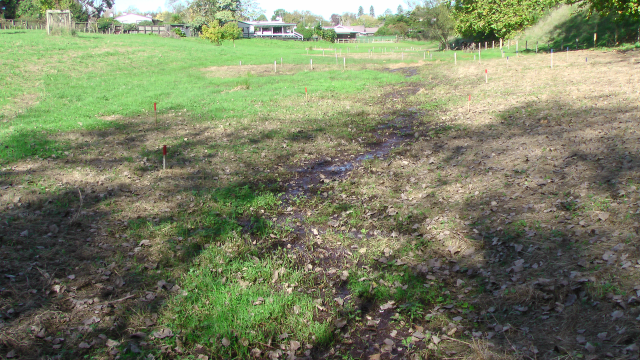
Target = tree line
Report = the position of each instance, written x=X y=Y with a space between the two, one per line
x=431 y=19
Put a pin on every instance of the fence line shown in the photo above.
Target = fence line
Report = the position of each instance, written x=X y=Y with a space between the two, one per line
x=22 y=24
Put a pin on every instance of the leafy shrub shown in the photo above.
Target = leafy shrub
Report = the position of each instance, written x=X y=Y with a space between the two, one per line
x=306 y=33
x=328 y=35
x=198 y=23
x=231 y=31
x=212 y=32
x=145 y=23
x=179 y=32
x=216 y=33
x=130 y=27
x=106 y=22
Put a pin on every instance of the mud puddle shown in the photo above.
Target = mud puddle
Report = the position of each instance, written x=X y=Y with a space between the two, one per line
x=308 y=180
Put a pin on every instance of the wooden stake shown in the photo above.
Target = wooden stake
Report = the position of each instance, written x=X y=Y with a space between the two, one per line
x=274 y=66
x=455 y=58
x=164 y=157
x=311 y=64
x=155 y=111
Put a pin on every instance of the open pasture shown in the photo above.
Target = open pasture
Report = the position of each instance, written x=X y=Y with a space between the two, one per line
x=405 y=207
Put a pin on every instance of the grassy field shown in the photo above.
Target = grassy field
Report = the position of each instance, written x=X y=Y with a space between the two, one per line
x=406 y=207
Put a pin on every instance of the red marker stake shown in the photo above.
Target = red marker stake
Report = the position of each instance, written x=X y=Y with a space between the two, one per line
x=156 y=112
x=486 y=78
x=306 y=97
x=164 y=157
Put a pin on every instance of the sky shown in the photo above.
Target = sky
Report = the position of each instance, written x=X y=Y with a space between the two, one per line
x=324 y=7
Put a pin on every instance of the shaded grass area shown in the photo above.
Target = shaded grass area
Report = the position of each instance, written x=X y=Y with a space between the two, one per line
x=570 y=26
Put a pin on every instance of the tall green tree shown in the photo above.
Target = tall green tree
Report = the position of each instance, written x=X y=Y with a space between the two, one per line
x=360 y=11
x=8 y=9
x=372 y=12
x=223 y=10
x=95 y=8
x=487 y=19
x=400 y=10
x=348 y=18
x=434 y=20
x=622 y=8
x=249 y=10
x=279 y=13
x=395 y=25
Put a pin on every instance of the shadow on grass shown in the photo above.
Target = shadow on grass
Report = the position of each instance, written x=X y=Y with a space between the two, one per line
x=226 y=241
x=578 y=32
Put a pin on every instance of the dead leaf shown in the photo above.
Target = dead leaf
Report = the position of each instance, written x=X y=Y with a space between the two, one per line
x=12 y=354
x=435 y=339
x=617 y=314
x=259 y=301
x=226 y=341
x=374 y=357
x=388 y=305
x=590 y=348
x=344 y=275
x=84 y=345
x=340 y=323
x=603 y=216
x=91 y=320
x=164 y=333
x=295 y=345
x=112 y=343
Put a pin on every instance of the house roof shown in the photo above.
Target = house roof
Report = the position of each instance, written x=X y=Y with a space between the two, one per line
x=341 y=29
x=132 y=18
x=267 y=23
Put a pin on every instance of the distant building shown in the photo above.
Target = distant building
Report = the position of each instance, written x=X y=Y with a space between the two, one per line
x=277 y=29
x=352 y=32
x=133 y=18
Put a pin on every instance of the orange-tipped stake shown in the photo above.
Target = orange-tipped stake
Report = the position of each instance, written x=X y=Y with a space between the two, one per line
x=164 y=157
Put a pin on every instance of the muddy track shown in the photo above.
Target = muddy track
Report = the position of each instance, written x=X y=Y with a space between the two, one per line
x=309 y=179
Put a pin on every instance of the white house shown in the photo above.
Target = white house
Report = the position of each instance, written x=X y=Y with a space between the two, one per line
x=133 y=18
x=277 y=29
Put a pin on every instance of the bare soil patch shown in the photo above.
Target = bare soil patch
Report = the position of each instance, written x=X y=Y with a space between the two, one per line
x=18 y=105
